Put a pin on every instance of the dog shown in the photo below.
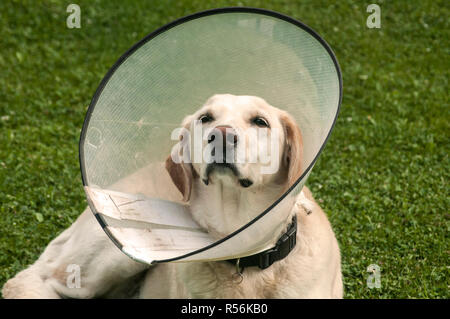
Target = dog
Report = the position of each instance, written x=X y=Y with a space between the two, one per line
x=222 y=196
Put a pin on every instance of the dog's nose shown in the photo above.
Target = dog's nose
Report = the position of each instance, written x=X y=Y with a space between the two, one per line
x=227 y=133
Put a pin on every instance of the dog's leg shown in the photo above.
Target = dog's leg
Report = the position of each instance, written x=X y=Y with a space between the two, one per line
x=81 y=262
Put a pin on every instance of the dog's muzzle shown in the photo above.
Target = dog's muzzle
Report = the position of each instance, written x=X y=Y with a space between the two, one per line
x=224 y=140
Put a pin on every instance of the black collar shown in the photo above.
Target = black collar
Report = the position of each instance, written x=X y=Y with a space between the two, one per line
x=267 y=257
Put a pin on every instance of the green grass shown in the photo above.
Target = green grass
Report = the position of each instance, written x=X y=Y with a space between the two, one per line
x=382 y=179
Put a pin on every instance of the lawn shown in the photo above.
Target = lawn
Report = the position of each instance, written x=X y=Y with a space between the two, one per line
x=382 y=178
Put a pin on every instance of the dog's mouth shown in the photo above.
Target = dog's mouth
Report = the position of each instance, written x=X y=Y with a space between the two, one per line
x=225 y=168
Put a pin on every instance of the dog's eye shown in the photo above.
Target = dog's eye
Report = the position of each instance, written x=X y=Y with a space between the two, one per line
x=206 y=118
x=261 y=122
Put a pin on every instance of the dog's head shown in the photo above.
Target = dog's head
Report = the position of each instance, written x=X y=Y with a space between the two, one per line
x=239 y=141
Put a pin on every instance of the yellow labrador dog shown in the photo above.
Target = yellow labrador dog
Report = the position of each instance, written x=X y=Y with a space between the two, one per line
x=222 y=196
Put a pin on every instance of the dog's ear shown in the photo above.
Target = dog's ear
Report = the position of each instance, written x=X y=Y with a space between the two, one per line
x=181 y=171
x=293 y=149
x=182 y=175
